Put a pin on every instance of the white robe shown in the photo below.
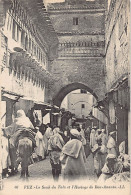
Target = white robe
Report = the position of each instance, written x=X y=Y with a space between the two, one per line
x=40 y=146
x=48 y=132
x=104 y=138
x=122 y=147
x=92 y=138
x=111 y=146
x=5 y=161
x=99 y=157
x=73 y=160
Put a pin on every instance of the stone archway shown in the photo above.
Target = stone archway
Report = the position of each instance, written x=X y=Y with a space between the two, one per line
x=67 y=89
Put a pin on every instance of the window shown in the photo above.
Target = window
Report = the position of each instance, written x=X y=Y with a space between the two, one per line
x=23 y=38
x=83 y=91
x=35 y=50
x=75 y=21
x=41 y=58
x=115 y=58
x=32 y=47
x=26 y=43
x=14 y=31
x=8 y=23
x=82 y=105
x=29 y=44
x=18 y=32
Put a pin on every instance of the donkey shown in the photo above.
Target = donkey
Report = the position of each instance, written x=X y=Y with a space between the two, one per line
x=25 y=151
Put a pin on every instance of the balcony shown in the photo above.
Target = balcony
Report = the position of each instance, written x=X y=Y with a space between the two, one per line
x=24 y=60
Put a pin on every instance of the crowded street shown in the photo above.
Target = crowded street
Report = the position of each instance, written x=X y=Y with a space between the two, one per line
x=73 y=155
x=42 y=171
x=65 y=91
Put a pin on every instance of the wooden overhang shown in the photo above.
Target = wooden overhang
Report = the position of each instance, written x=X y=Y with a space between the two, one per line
x=38 y=14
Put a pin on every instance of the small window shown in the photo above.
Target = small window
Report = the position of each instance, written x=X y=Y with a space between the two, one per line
x=18 y=32
x=35 y=50
x=29 y=44
x=32 y=47
x=75 y=21
x=23 y=38
x=82 y=105
x=26 y=43
x=14 y=31
x=83 y=91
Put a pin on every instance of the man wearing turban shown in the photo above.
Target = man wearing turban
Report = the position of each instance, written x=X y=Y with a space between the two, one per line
x=73 y=158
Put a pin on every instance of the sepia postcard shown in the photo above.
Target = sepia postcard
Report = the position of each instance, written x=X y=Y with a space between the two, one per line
x=65 y=97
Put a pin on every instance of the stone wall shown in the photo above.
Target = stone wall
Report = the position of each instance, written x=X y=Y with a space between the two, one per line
x=118 y=67
x=117 y=42
x=87 y=71
x=87 y=22
x=81 y=45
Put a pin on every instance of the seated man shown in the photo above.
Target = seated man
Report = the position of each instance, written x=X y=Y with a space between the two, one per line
x=116 y=169
x=109 y=168
x=21 y=127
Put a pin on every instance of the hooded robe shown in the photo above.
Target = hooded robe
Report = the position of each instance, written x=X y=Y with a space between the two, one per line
x=111 y=146
x=40 y=146
x=73 y=159
x=55 y=145
x=15 y=130
x=99 y=157
x=19 y=127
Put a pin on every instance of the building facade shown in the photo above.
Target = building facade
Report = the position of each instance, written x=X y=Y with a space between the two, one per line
x=28 y=47
x=93 y=53
x=80 y=102
x=82 y=105
x=80 y=26
x=117 y=99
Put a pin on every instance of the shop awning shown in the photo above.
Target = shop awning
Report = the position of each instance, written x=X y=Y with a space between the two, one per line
x=55 y=113
x=10 y=95
x=38 y=105
x=121 y=93
x=36 y=102
x=42 y=103
x=99 y=115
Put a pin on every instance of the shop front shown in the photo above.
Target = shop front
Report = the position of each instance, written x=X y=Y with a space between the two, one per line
x=119 y=108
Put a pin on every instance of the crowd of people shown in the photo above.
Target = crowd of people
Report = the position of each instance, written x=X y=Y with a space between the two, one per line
x=67 y=149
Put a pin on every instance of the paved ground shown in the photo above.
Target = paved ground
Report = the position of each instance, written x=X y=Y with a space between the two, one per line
x=42 y=171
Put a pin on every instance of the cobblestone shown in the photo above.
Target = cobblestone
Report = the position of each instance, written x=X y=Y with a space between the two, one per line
x=42 y=171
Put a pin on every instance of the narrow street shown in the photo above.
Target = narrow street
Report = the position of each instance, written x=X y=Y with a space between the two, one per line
x=65 y=72
x=41 y=171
